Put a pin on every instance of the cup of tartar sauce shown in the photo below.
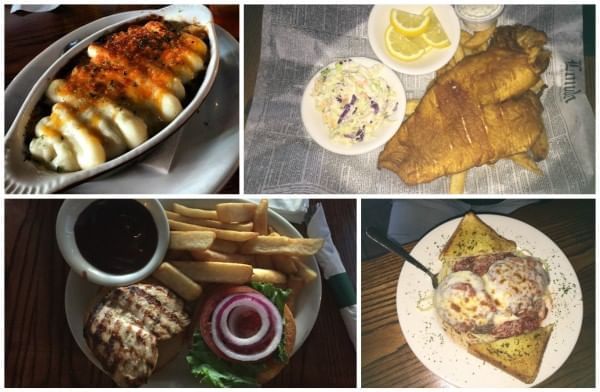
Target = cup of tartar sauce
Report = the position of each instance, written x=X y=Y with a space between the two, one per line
x=479 y=17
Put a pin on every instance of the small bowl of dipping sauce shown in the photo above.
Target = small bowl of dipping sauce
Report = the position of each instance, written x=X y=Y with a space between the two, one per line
x=112 y=242
x=479 y=17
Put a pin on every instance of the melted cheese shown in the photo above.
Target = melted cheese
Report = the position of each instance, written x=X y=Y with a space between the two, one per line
x=464 y=307
x=516 y=285
x=133 y=82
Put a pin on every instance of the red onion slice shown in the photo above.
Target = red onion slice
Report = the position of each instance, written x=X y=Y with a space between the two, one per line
x=252 y=348
x=230 y=316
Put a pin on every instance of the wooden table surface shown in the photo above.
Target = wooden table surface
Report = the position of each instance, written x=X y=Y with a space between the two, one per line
x=387 y=360
x=28 y=34
x=39 y=348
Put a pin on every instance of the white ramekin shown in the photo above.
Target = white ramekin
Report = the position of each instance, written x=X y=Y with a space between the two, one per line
x=65 y=236
x=479 y=23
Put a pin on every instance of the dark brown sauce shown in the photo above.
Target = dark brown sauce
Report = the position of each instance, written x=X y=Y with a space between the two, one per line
x=116 y=236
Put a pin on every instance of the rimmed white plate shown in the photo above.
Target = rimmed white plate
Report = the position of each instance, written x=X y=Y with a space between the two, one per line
x=209 y=141
x=316 y=128
x=379 y=20
x=79 y=293
x=448 y=360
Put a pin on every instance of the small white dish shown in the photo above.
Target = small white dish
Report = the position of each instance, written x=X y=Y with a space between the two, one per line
x=316 y=128
x=65 y=236
x=479 y=22
x=379 y=20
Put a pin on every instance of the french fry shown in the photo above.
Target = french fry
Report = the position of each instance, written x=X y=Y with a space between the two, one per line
x=459 y=54
x=271 y=245
x=411 y=106
x=464 y=37
x=178 y=282
x=268 y=276
x=526 y=162
x=307 y=274
x=295 y=283
x=189 y=240
x=538 y=87
x=210 y=223
x=211 y=255
x=480 y=38
x=541 y=147
x=230 y=235
x=194 y=212
x=225 y=246
x=236 y=212
x=215 y=272
x=457 y=182
x=284 y=264
x=261 y=217
x=263 y=261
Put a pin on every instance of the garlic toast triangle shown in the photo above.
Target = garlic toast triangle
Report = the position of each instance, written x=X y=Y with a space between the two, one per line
x=520 y=355
x=472 y=237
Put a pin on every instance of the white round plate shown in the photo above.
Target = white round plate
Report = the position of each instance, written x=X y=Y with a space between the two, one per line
x=440 y=354
x=208 y=141
x=316 y=128
x=79 y=293
x=379 y=20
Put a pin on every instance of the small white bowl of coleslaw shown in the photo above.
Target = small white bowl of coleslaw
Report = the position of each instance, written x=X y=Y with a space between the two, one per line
x=353 y=105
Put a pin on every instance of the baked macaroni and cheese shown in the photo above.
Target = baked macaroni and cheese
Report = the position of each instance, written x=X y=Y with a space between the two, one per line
x=131 y=84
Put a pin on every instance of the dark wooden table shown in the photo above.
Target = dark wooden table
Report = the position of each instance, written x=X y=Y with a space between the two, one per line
x=28 y=34
x=39 y=348
x=387 y=360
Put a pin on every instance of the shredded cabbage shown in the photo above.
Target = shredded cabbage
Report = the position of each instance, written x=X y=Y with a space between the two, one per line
x=354 y=100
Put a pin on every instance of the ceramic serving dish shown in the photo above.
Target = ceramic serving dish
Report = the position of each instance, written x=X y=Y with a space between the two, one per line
x=25 y=176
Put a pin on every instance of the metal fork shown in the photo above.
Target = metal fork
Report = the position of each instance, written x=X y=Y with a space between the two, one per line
x=380 y=238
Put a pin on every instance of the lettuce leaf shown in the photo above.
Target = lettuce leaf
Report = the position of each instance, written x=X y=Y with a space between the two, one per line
x=278 y=297
x=274 y=294
x=215 y=372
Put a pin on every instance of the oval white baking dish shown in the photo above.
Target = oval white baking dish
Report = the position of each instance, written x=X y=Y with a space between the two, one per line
x=24 y=176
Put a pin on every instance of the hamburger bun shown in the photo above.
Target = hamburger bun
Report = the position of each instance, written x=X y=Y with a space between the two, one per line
x=272 y=365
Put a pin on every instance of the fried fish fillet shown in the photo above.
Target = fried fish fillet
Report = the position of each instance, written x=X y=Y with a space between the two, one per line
x=476 y=113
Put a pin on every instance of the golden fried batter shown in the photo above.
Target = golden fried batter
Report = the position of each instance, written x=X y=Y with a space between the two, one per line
x=476 y=113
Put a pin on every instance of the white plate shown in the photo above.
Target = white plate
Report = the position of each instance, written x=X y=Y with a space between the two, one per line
x=208 y=143
x=452 y=362
x=79 y=293
x=316 y=128
x=379 y=20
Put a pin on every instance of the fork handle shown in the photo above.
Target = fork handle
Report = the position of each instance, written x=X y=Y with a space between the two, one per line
x=393 y=246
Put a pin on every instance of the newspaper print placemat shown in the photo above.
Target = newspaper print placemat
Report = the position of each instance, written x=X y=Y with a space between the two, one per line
x=298 y=40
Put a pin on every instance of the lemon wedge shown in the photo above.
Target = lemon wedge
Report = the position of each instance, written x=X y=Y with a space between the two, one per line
x=400 y=46
x=434 y=34
x=421 y=43
x=410 y=25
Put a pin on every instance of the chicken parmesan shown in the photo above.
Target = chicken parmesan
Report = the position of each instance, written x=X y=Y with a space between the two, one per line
x=501 y=295
x=494 y=299
x=126 y=87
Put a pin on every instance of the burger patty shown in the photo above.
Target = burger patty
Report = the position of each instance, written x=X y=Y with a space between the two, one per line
x=124 y=327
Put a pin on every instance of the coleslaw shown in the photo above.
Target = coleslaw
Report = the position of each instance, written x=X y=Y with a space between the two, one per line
x=353 y=100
